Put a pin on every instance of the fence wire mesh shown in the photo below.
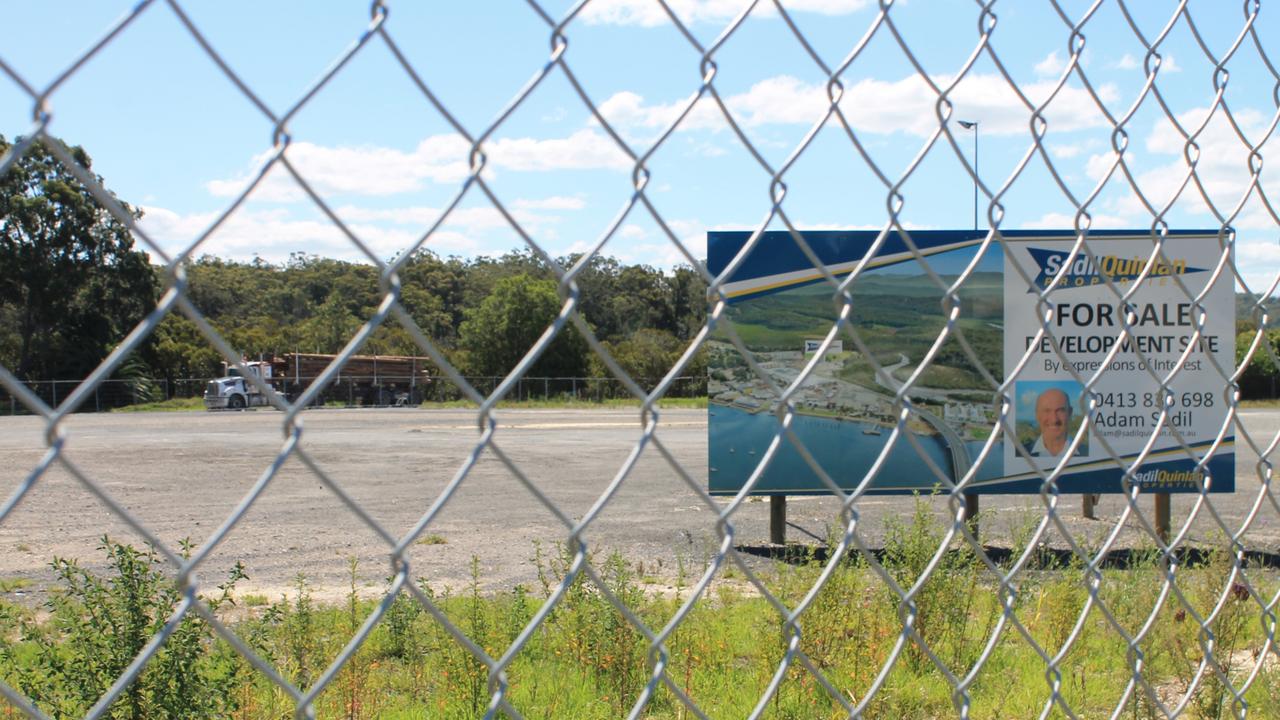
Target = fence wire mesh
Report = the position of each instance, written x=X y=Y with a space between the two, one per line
x=948 y=136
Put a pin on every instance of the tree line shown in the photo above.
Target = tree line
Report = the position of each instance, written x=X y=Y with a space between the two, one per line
x=1261 y=379
x=483 y=313
x=73 y=284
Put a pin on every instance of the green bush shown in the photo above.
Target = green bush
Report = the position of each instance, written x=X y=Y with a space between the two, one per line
x=98 y=625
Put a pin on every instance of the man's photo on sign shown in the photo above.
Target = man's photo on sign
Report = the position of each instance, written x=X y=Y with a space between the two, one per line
x=1049 y=413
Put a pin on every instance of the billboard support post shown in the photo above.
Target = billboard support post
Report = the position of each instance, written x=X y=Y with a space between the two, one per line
x=971 y=507
x=778 y=519
x=1088 y=502
x=1162 y=516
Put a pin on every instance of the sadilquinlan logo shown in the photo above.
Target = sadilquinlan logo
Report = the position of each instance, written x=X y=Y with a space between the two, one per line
x=1083 y=271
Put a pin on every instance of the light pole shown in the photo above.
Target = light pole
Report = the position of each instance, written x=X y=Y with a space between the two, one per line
x=971 y=506
x=973 y=125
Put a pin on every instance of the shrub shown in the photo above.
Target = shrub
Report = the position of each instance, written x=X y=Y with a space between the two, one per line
x=98 y=625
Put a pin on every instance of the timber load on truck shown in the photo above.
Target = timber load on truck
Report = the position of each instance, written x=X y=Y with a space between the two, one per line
x=365 y=380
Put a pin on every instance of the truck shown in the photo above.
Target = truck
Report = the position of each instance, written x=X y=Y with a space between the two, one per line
x=365 y=380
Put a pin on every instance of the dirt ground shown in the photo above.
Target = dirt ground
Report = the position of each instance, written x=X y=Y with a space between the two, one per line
x=181 y=475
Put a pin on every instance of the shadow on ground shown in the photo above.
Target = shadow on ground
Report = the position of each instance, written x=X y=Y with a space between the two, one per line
x=1044 y=558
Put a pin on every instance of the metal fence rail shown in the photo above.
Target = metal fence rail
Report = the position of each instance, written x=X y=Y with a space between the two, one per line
x=114 y=393
x=54 y=402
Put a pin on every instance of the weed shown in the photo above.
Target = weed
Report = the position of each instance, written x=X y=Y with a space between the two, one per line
x=8 y=585
x=300 y=633
x=173 y=405
x=399 y=622
x=588 y=660
x=100 y=624
x=565 y=402
x=478 y=631
x=432 y=540
x=254 y=600
x=354 y=679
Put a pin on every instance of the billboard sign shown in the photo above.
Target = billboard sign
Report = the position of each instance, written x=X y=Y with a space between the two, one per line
x=846 y=415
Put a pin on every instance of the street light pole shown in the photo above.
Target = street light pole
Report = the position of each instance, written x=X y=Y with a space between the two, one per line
x=971 y=503
x=973 y=125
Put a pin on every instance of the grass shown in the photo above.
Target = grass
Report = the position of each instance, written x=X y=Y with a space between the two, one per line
x=587 y=661
x=173 y=405
x=8 y=585
x=1264 y=404
x=186 y=404
x=574 y=404
x=432 y=539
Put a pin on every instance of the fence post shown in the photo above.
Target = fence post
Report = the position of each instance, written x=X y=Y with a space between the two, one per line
x=97 y=401
x=54 y=384
x=546 y=388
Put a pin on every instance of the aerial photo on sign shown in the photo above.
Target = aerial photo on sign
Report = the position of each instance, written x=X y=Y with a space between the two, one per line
x=1114 y=318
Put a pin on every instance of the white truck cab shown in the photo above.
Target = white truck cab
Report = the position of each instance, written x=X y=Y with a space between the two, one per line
x=233 y=391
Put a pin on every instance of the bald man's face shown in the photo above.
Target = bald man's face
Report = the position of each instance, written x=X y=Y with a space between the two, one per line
x=1053 y=414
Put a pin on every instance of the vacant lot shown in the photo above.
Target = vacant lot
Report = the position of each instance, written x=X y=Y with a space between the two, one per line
x=183 y=474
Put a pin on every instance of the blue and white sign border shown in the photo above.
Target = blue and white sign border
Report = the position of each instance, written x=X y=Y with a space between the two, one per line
x=776 y=263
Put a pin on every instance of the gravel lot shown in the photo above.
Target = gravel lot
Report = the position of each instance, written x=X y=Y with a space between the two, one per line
x=182 y=474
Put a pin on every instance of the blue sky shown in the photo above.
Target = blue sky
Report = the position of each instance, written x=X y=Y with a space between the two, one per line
x=171 y=134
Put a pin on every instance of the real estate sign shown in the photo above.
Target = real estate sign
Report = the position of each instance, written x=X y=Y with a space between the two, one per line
x=1173 y=321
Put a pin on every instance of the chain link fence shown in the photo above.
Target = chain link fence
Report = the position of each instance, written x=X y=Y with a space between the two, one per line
x=795 y=657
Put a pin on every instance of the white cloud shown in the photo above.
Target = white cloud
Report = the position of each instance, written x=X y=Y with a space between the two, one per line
x=664 y=255
x=468 y=219
x=1222 y=165
x=1064 y=221
x=706 y=149
x=876 y=106
x=1063 y=152
x=1258 y=258
x=583 y=150
x=363 y=170
x=779 y=100
x=1128 y=62
x=1050 y=66
x=271 y=235
x=693 y=235
x=1223 y=170
x=647 y=13
x=627 y=109
x=442 y=159
x=555 y=202
x=1257 y=253
x=631 y=231
x=1097 y=166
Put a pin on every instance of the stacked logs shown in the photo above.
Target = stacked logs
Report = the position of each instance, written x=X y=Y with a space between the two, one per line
x=363 y=367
